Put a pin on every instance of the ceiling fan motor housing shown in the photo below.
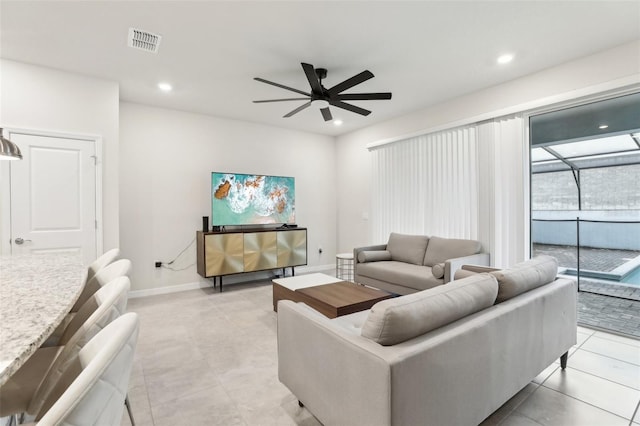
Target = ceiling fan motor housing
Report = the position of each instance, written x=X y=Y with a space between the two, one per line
x=321 y=73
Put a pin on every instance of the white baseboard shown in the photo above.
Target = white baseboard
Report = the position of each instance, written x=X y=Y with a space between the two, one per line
x=133 y=294
x=316 y=268
x=240 y=278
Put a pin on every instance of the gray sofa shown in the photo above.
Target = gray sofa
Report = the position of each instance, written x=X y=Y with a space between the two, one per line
x=449 y=355
x=410 y=263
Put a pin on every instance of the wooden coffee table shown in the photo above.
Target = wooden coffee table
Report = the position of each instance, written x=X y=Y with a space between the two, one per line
x=328 y=295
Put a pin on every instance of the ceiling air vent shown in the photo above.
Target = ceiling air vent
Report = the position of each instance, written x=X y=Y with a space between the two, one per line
x=143 y=40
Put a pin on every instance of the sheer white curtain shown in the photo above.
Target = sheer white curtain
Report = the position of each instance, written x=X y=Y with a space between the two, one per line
x=504 y=194
x=469 y=182
x=426 y=185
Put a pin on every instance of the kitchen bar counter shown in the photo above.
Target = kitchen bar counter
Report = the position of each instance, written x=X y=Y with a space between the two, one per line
x=36 y=293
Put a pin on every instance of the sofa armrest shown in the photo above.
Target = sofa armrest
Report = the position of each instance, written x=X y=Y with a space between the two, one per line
x=470 y=270
x=452 y=265
x=479 y=268
x=357 y=250
x=330 y=369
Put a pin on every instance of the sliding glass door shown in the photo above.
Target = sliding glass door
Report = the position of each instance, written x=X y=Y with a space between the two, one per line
x=585 y=193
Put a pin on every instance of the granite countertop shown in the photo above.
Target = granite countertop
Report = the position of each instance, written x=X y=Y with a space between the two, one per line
x=36 y=293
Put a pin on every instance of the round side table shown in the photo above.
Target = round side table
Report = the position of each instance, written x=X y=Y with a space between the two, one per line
x=344 y=266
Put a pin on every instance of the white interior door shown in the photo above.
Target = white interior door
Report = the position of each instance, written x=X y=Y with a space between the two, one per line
x=53 y=196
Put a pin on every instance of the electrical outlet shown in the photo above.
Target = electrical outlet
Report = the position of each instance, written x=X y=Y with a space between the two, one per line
x=158 y=264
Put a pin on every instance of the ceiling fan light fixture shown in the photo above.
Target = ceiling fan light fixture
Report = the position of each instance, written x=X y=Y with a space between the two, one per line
x=320 y=103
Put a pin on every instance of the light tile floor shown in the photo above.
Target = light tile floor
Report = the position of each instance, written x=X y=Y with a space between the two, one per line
x=205 y=357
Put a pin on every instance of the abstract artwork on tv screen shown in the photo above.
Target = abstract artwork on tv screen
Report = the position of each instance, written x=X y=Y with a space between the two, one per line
x=242 y=199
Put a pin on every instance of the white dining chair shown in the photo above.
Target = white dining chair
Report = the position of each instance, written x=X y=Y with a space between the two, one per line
x=119 y=268
x=28 y=388
x=102 y=261
x=103 y=275
x=92 y=389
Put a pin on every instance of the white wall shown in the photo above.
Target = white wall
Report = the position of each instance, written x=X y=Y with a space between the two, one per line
x=44 y=99
x=166 y=160
x=613 y=68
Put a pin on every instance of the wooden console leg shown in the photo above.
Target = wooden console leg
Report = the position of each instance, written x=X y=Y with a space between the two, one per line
x=563 y=360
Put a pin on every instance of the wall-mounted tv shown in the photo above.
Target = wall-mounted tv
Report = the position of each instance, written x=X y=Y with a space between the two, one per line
x=243 y=199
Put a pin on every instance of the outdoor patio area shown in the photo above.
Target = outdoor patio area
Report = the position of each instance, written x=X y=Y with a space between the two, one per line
x=602 y=304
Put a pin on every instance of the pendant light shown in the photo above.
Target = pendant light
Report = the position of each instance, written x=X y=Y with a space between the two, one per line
x=8 y=150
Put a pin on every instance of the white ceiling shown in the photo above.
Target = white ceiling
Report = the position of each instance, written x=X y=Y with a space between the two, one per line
x=424 y=52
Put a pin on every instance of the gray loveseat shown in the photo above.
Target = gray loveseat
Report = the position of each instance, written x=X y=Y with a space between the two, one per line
x=450 y=355
x=410 y=263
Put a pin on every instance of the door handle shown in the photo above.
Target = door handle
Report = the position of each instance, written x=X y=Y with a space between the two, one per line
x=20 y=240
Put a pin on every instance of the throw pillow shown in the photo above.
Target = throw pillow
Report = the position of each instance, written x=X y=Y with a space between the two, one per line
x=397 y=320
x=407 y=248
x=438 y=270
x=525 y=276
x=443 y=249
x=373 y=256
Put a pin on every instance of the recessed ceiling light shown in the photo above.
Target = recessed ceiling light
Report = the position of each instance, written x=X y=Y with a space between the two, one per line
x=165 y=87
x=603 y=126
x=505 y=59
x=337 y=122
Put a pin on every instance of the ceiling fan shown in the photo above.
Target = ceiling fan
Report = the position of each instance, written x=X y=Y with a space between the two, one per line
x=325 y=97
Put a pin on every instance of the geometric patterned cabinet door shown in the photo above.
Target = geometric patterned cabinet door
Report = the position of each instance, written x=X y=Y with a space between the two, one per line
x=224 y=254
x=292 y=248
x=260 y=251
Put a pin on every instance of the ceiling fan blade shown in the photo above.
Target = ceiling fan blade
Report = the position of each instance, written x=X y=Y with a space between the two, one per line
x=350 y=107
x=350 y=82
x=326 y=114
x=280 y=100
x=314 y=82
x=297 y=110
x=262 y=80
x=363 y=96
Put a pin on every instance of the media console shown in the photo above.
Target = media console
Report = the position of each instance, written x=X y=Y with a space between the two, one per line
x=249 y=250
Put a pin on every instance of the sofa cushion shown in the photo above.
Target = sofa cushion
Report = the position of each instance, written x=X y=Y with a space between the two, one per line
x=351 y=323
x=373 y=256
x=525 y=276
x=440 y=250
x=399 y=273
x=396 y=320
x=438 y=270
x=407 y=248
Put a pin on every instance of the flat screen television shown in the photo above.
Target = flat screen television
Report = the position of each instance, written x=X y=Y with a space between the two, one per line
x=243 y=199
